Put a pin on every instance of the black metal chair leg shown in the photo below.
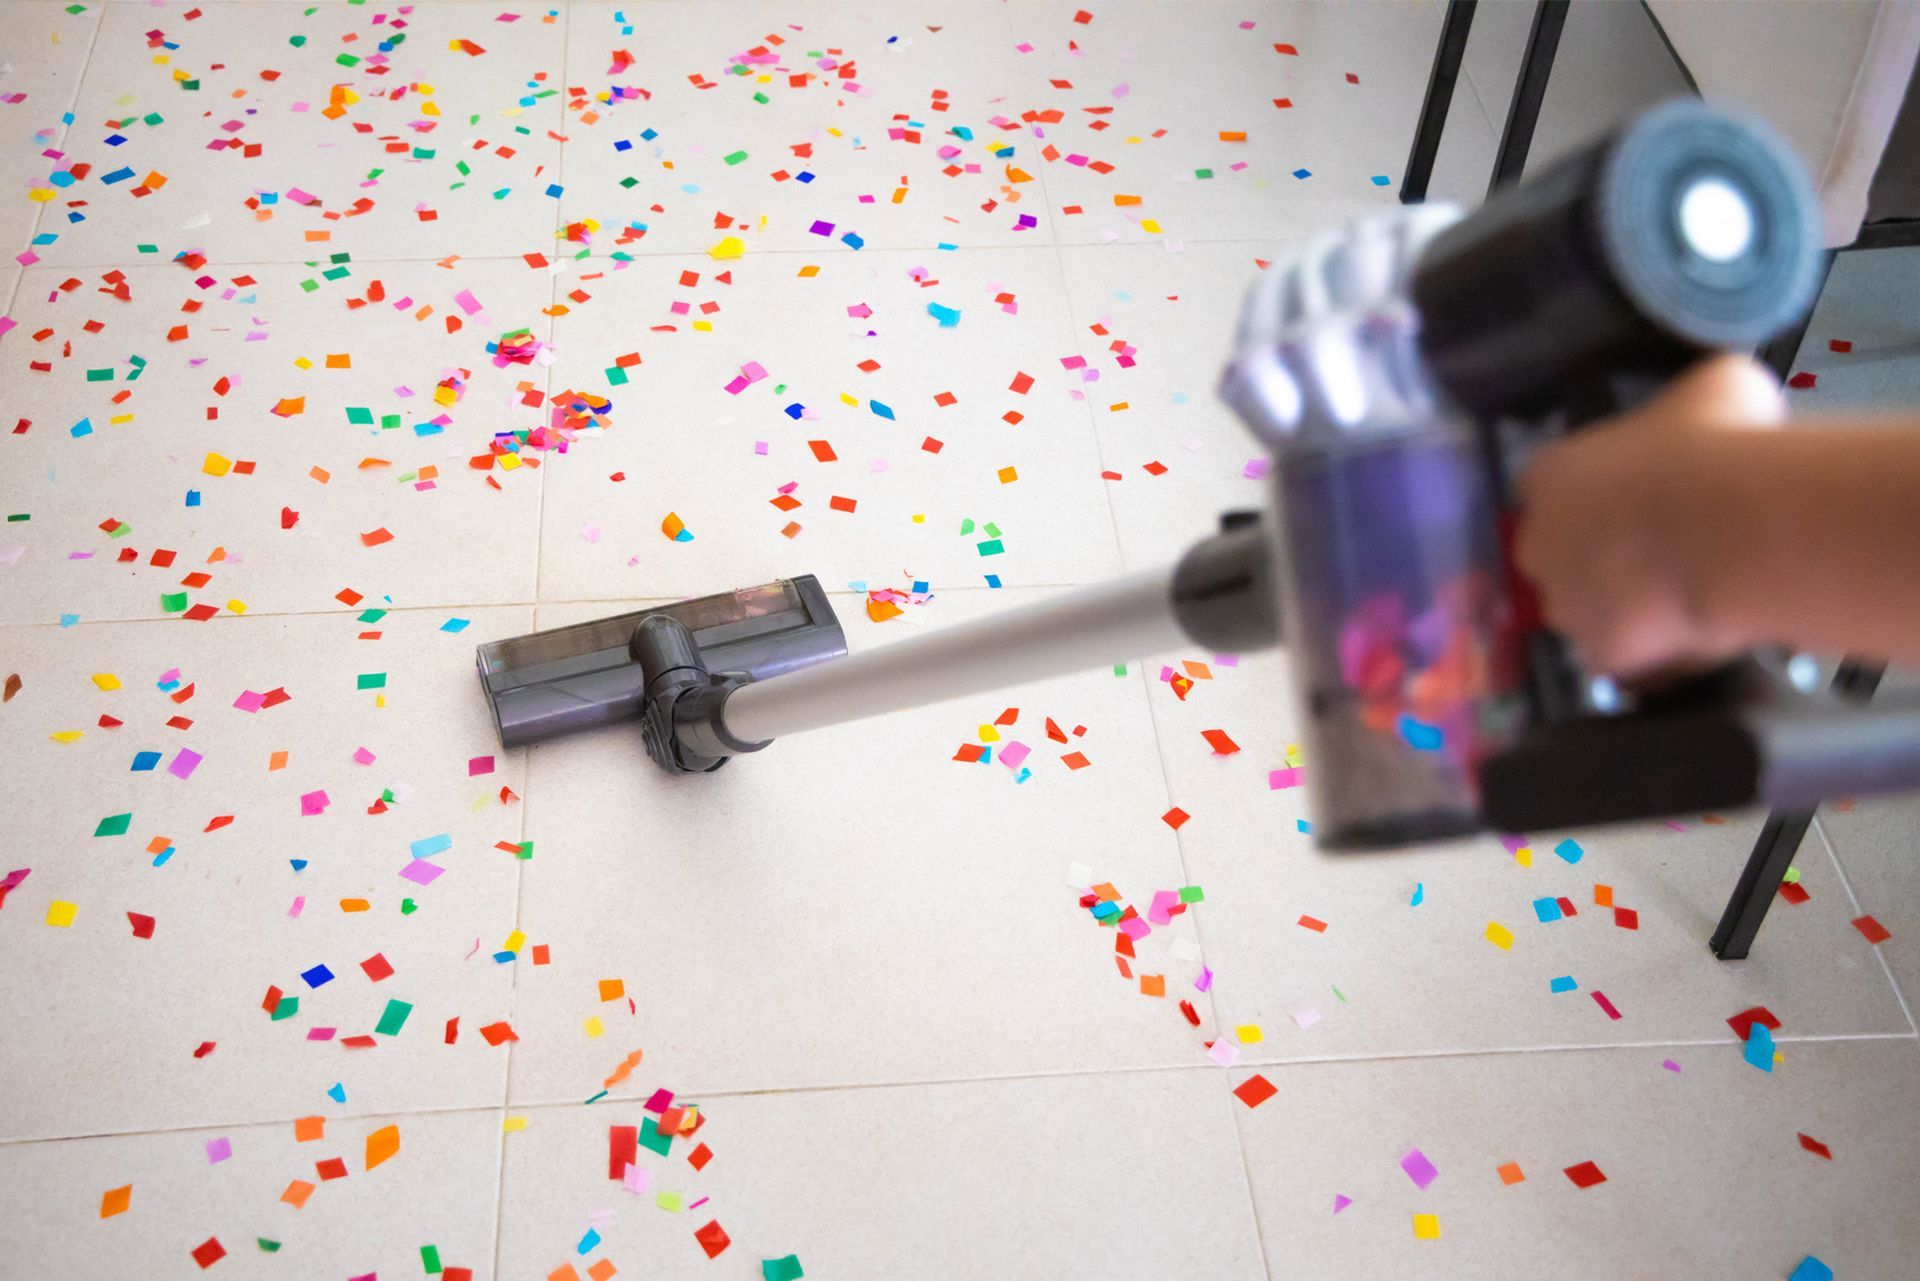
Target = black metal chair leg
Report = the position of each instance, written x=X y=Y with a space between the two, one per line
x=1784 y=347
x=1433 y=111
x=1549 y=16
x=1779 y=841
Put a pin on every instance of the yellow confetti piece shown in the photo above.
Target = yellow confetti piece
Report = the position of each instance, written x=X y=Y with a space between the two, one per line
x=919 y=518
x=807 y=273
x=67 y=735
x=514 y=942
x=1249 y=1034
x=1426 y=1227
x=301 y=362
x=237 y=606
x=1524 y=856
x=1150 y=226
x=988 y=734
x=106 y=680
x=594 y=1026
x=731 y=247
x=1500 y=936
x=1007 y=475
x=60 y=913
x=512 y=1124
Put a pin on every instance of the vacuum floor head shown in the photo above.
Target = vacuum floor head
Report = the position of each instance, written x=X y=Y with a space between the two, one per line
x=573 y=678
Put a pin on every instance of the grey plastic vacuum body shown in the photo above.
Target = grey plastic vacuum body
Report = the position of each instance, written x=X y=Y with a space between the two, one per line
x=1397 y=373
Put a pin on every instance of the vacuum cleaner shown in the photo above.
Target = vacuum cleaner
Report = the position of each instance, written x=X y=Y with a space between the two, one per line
x=1398 y=372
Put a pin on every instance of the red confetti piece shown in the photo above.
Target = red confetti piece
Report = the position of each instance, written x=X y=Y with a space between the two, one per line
x=1872 y=930
x=713 y=1238
x=209 y=1252
x=497 y=1033
x=1626 y=918
x=1255 y=1090
x=142 y=924
x=1218 y=740
x=1816 y=1147
x=622 y=1148
x=699 y=1157
x=1600 y=999
x=1842 y=346
x=1803 y=381
x=1175 y=817
x=1585 y=1175
x=377 y=967
x=1313 y=923
x=1742 y=1023
x=1794 y=892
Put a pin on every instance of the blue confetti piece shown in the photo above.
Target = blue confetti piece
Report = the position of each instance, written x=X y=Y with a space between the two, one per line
x=624 y=144
x=428 y=846
x=852 y=240
x=1303 y=173
x=82 y=428
x=648 y=135
x=1569 y=850
x=46 y=238
x=1301 y=824
x=160 y=859
x=963 y=132
x=993 y=580
x=1547 y=910
x=118 y=175
x=796 y=409
x=946 y=247
x=554 y=189
x=1381 y=180
x=68 y=620
x=588 y=1242
x=803 y=176
x=1811 y=1269
x=1023 y=775
x=986 y=756
x=1564 y=983
x=920 y=587
x=1419 y=894
x=947 y=316
x=455 y=625
x=317 y=976
x=883 y=411
x=144 y=761
x=1418 y=735
x=299 y=864
x=502 y=958
x=1759 y=1051
x=337 y=1092
x=193 y=498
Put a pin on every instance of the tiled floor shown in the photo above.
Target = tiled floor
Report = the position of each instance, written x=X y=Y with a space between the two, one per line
x=862 y=962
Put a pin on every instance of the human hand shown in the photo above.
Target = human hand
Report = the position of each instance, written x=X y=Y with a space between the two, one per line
x=1618 y=531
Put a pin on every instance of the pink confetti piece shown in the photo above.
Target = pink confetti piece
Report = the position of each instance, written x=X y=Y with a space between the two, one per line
x=1419 y=1169
x=185 y=761
x=1013 y=753
x=1224 y=1052
x=1600 y=999
x=1339 y=1202
x=422 y=872
x=1281 y=779
x=219 y=1150
x=313 y=803
x=479 y=765
x=250 y=701
x=1205 y=981
x=363 y=756
x=468 y=303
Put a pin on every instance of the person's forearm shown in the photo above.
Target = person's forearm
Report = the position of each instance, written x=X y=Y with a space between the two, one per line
x=1808 y=536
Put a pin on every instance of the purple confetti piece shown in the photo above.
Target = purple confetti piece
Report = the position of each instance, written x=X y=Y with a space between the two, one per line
x=1419 y=1169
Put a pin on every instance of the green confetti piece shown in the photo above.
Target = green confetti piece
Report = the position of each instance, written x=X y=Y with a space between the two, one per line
x=309 y=285
x=298 y=42
x=430 y=1258
x=596 y=1098
x=966 y=527
x=372 y=615
x=338 y=273
x=992 y=547
x=1203 y=173
x=288 y=1007
x=1793 y=876
x=271 y=1247
x=761 y=98
x=173 y=602
x=114 y=825
x=993 y=530
x=14 y=518
x=76 y=9
x=393 y=1018
x=1119 y=669
x=389 y=421
x=147 y=249
x=120 y=531
x=1192 y=894
x=616 y=376
x=735 y=158
x=668 y=1201
x=346 y=59
x=423 y=153
x=652 y=1139
x=1342 y=995
x=408 y=907
x=371 y=680
x=629 y=183
x=526 y=850
x=359 y=416
x=782 y=1269
x=153 y=118
x=99 y=375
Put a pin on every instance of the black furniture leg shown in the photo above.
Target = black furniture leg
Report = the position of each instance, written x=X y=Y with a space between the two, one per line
x=1780 y=353
x=1779 y=842
x=1433 y=111
x=1549 y=16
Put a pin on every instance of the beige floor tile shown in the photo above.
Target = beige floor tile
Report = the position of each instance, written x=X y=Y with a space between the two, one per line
x=1424 y=978
x=477 y=109
x=1873 y=842
x=108 y=1023
x=864 y=140
x=851 y=906
x=1704 y=1173
x=1116 y=1175
x=681 y=443
x=439 y=1190
x=43 y=49
x=1177 y=76
x=455 y=539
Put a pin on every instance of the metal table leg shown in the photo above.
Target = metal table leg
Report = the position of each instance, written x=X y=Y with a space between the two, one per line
x=1549 y=16
x=1779 y=841
x=1433 y=111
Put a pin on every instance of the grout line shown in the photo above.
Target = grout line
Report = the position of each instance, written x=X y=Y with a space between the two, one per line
x=527 y=1105
x=1840 y=870
x=72 y=109
x=539 y=524
x=522 y=604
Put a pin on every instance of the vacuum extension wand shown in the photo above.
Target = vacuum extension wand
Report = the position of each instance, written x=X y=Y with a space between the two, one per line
x=1397 y=372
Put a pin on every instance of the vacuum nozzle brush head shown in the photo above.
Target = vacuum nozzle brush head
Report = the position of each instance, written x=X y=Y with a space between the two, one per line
x=555 y=682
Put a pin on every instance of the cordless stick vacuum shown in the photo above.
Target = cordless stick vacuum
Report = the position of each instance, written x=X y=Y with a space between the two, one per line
x=1398 y=371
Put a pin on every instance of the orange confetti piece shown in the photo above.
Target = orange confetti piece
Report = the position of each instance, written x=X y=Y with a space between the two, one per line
x=376 y=537
x=382 y=1144
x=1218 y=740
x=612 y=989
x=115 y=1201
x=625 y=1070
x=297 y=1193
